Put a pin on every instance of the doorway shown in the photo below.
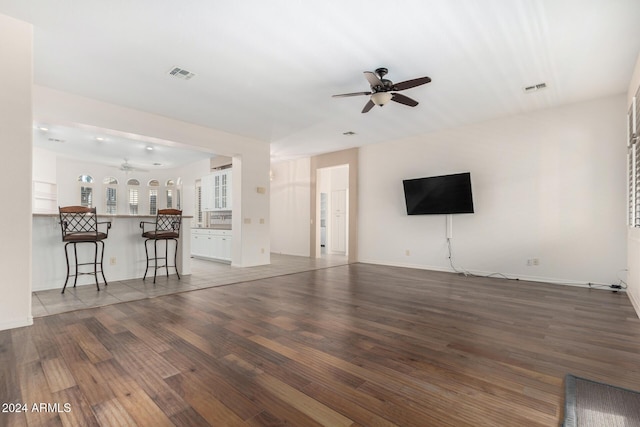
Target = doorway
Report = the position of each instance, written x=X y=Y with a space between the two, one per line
x=332 y=215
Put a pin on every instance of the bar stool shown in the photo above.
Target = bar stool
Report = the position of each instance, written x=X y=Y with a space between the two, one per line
x=79 y=224
x=166 y=227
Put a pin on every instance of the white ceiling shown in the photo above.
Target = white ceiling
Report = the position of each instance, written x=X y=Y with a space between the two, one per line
x=267 y=69
x=112 y=148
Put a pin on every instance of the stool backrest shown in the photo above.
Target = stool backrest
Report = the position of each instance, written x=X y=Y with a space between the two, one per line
x=169 y=220
x=78 y=220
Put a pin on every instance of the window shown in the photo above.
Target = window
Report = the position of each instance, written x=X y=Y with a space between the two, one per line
x=198 y=206
x=110 y=195
x=153 y=196
x=86 y=190
x=633 y=166
x=178 y=194
x=134 y=200
x=169 y=193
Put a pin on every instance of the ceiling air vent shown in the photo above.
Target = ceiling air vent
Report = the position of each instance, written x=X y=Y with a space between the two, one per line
x=56 y=140
x=534 y=88
x=181 y=73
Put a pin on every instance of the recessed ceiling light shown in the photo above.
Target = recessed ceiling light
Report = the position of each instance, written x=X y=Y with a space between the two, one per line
x=348 y=133
x=43 y=128
x=99 y=138
x=149 y=148
x=157 y=164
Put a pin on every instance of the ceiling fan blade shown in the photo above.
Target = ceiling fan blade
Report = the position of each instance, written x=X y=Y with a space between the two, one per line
x=372 y=79
x=343 y=95
x=397 y=97
x=368 y=106
x=408 y=84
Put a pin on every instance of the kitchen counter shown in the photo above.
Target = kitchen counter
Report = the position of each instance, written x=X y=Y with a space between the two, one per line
x=57 y=215
x=124 y=256
x=214 y=227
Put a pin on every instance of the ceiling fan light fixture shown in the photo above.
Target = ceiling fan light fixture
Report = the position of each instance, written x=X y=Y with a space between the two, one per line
x=381 y=98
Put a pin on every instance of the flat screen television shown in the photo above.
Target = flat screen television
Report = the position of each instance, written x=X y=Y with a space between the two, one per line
x=446 y=194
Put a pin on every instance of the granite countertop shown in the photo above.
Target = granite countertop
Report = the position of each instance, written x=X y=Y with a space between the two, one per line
x=101 y=215
x=214 y=227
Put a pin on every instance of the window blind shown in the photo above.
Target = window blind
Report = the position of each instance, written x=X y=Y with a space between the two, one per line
x=133 y=201
x=169 y=199
x=111 y=200
x=153 y=202
x=86 y=196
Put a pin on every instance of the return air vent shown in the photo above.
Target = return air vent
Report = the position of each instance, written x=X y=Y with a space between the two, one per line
x=181 y=73
x=534 y=88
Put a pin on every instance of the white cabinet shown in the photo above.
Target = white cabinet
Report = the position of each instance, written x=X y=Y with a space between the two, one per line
x=199 y=243
x=216 y=191
x=206 y=195
x=222 y=190
x=45 y=197
x=211 y=244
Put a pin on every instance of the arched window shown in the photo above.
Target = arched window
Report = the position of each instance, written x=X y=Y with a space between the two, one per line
x=86 y=190
x=170 y=192
x=110 y=195
x=153 y=196
x=134 y=196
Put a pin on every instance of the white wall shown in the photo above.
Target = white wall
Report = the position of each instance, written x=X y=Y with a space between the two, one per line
x=633 y=234
x=549 y=185
x=290 y=207
x=251 y=217
x=44 y=165
x=16 y=75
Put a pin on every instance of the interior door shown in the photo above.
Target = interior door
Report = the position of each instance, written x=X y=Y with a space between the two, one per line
x=338 y=228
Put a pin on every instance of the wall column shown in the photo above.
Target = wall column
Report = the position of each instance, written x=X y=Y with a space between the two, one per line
x=16 y=122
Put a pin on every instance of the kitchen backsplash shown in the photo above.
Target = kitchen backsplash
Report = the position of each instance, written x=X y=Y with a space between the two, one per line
x=220 y=217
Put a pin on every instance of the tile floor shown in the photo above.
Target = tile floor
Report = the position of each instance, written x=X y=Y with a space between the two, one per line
x=204 y=274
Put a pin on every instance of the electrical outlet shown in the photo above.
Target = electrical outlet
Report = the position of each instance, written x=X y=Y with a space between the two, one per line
x=533 y=261
x=113 y=260
x=407 y=252
x=262 y=250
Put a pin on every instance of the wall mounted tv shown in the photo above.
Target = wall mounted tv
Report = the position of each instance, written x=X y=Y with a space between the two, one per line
x=446 y=194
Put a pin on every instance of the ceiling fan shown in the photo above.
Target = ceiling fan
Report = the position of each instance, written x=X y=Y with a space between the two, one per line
x=127 y=167
x=384 y=90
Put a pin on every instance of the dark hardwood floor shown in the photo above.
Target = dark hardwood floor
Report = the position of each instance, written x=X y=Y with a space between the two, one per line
x=358 y=345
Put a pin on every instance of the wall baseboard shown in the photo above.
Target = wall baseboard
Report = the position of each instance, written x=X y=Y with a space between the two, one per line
x=634 y=303
x=16 y=323
x=540 y=279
